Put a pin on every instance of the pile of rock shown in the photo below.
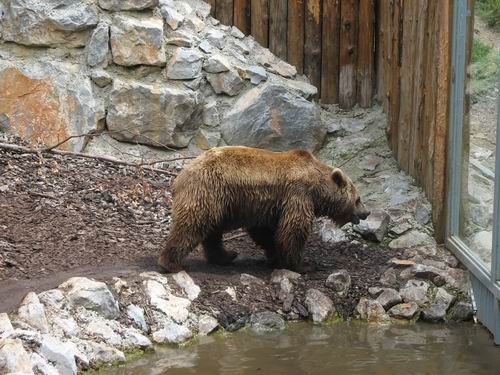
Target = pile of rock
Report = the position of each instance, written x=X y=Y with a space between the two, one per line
x=162 y=73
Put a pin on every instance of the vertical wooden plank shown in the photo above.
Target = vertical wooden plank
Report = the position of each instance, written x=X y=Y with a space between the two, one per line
x=278 y=13
x=224 y=11
x=212 y=7
x=330 y=52
x=365 y=63
x=348 y=53
x=312 y=44
x=380 y=48
x=387 y=58
x=260 y=21
x=295 y=41
x=241 y=15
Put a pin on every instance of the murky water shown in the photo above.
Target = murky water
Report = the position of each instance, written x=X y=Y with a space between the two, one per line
x=344 y=348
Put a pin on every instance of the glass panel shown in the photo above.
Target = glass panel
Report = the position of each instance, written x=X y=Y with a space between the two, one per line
x=480 y=127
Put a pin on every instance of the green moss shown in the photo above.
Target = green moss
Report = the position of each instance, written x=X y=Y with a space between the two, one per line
x=480 y=51
x=485 y=69
x=489 y=10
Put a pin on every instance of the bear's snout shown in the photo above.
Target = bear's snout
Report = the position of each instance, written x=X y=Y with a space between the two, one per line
x=364 y=215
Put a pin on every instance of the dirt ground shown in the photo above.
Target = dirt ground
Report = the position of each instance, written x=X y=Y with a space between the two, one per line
x=66 y=216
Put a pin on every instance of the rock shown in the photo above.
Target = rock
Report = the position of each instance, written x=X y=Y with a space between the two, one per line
x=134 y=339
x=194 y=84
x=412 y=239
x=6 y=328
x=423 y=213
x=421 y=271
x=98 y=46
x=339 y=281
x=104 y=330
x=451 y=261
x=434 y=313
x=53 y=299
x=401 y=263
x=101 y=78
x=82 y=361
x=401 y=228
x=388 y=298
x=443 y=298
x=228 y=83
x=370 y=162
x=195 y=23
x=375 y=291
x=415 y=291
x=215 y=38
x=92 y=295
x=404 y=311
x=205 y=46
x=182 y=39
x=172 y=334
x=100 y=353
x=237 y=32
x=59 y=354
x=48 y=23
x=283 y=69
x=279 y=275
x=207 y=324
x=304 y=89
x=136 y=313
x=67 y=326
x=173 y=18
x=424 y=251
x=211 y=113
x=13 y=357
x=231 y=292
x=371 y=311
x=117 y=5
x=266 y=321
x=249 y=280
x=163 y=300
x=271 y=117
x=216 y=64
x=185 y=64
x=319 y=306
x=187 y=284
x=462 y=311
x=126 y=31
x=56 y=102
x=255 y=74
x=32 y=312
x=286 y=293
x=41 y=366
x=329 y=232
x=155 y=115
x=205 y=139
x=389 y=278
x=374 y=228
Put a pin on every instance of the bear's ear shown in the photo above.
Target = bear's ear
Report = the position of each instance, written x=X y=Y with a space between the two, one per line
x=338 y=177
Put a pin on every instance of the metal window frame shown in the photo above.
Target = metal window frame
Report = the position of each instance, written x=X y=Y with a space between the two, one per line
x=485 y=282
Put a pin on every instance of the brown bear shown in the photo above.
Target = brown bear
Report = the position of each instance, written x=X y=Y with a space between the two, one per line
x=275 y=196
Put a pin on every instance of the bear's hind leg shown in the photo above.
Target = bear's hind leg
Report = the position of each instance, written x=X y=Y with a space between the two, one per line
x=214 y=250
x=264 y=237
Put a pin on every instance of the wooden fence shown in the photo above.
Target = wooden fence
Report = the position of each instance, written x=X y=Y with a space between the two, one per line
x=331 y=41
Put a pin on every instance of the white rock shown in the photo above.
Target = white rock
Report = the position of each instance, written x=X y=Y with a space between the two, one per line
x=215 y=38
x=92 y=295
x=58 y=353
x=232 y=293
x=13 y=358
x=82 y=360
x=187 y=284
x=68 y=326
x=185 y=63
x=41 y=366
x=195 y=23
x=207 y=324
x=6 y=328
x=331 y=233
x=101 y=329
x=237 y=33
x=32 y=312
x=205 y=46
x=278 y=275
x=53 y=299
x=172 y=306
x=172 y=334
x=319 y=305
x=133 y=338
x=98 y=353
x=216 y=64
x=137 y=315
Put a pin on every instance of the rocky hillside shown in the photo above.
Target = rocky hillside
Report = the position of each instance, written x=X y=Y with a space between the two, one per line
x=160 y=73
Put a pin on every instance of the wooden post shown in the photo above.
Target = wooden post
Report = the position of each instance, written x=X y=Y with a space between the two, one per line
x=260 y=21
x=330 y=52
x=365 y=63
x=212 y=7
x=278 y=10
x=348 y=53
x=312 y=44
x=241 y=15
x=395 y=73
x=224 y=11
x=295 y=50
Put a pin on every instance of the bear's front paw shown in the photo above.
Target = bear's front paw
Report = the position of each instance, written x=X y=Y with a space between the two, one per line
x=168 y=265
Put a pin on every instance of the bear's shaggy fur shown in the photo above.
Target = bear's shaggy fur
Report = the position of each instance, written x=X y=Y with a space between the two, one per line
x=275 y=196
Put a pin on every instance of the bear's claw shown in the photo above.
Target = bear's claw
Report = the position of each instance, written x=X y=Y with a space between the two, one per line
x=168 y=265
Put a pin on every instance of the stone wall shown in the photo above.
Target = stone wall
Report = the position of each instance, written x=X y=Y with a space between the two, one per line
x=160 y=73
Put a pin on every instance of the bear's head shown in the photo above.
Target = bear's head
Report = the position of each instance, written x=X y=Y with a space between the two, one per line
x=343 y=204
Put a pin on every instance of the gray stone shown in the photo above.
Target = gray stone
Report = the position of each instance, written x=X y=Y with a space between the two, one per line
x=434 y=313
x=136 y=313
x=255 y=74
x=216 y=64
x=462 y=311
x=172 y=17
x=182 y=38
x=101 y=78
x=126 y=31
x=319 y=306
x=211 y=113
x=53 y=299
x=423 y=213
x=451 y=261
x=421 y=271
x=424 y=251
x=388 y=298
x=185 y=64
x=339 y=281
x=48 y=23
x=400 y=228
x=117 y=5
x=195 y=23
x=205 y=139
x=370 y=162
x=285 y=293
x=194 y=84
x=375 y=291
x=104 y=330
x=389 y=278
x=176 y=308
x=249 y=280
x=41 y=366
x=237 y=33
x=283 y=69
x=187 y=284
x=215 y=38
x=99 y=353
x=415 y=291
x=229 y=83
x=132 y=338
x=267 y=321
x=92 y=295
x=59 y=354
x=329 y=232
x=205 y=46
x=444 y=298
x=98 y=46
x=6 y=328
x=207 y=324
x=371 y=311
x=304 y=89
x=412 y=239
x=156 y=115
x=278 y=275
x=270 y=117
x=32 y=312
x=404 y=311
x=374 y=228
x=67 y=326
x=172 y=334
x=13 y=358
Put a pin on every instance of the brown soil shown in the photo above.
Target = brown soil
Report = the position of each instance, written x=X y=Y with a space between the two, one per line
x=66 y=216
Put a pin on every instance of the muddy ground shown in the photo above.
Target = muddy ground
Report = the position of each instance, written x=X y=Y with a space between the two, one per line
x=66 y=216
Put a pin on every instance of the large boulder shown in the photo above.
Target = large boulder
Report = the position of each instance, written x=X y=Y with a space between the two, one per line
x=47 y=102
x=137 y=41
x=273 y=117
x=152 y=114
x=13 y=357
x=48 y=23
